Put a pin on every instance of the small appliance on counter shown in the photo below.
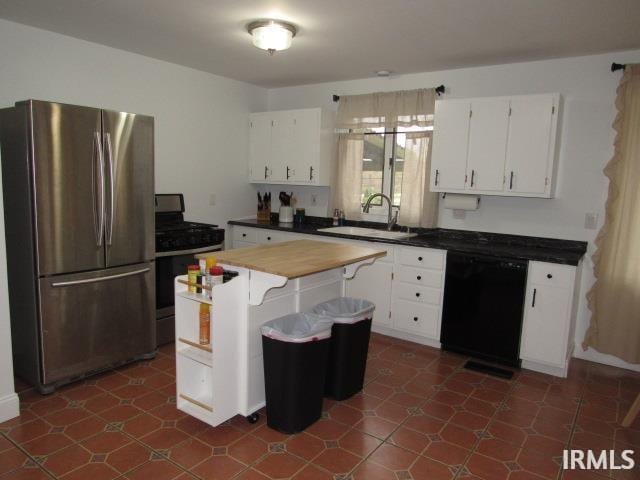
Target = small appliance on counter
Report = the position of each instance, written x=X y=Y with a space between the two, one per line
x=286 y=210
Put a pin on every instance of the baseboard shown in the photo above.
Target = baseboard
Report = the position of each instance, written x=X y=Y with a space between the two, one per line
x=544 y=368
x=9 y=407
x=391 y=332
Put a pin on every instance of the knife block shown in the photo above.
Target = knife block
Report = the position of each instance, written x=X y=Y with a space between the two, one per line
x=264 y=215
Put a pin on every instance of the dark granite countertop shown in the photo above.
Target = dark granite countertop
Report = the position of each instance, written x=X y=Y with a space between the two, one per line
x=568 y=252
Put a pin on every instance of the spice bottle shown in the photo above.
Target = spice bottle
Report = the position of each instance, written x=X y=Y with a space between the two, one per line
x=192 y=277
x=216 y=277
x=203 y=266
x=205 y=324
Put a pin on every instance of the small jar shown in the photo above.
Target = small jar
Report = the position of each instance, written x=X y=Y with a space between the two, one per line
x=192 y=277
x=216 y=277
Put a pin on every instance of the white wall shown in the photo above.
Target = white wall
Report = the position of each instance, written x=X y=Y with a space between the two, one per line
x=588 y=88
x=201 y=122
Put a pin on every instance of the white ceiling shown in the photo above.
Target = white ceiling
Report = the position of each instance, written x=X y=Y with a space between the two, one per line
x=341 y=40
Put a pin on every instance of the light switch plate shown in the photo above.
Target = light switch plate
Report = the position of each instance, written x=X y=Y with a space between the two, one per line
x=590 y=220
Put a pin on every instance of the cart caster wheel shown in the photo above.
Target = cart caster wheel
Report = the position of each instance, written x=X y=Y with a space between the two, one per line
x=253 y=418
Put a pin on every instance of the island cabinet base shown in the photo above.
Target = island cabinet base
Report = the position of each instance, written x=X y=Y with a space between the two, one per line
x=218 y=381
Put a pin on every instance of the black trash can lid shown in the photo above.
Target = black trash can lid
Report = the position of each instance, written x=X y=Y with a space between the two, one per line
x=346 y=309
x=298 y=328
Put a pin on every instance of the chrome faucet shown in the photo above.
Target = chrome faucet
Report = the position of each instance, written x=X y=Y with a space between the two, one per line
x=391 y=221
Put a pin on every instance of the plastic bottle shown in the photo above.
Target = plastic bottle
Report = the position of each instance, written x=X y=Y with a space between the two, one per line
x=205 y=324
x=216 y=277
x=192 y=276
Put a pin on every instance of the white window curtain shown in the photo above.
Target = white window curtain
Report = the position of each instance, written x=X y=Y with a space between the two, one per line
x=418 y=206
x=349 y=174
x=389 y=110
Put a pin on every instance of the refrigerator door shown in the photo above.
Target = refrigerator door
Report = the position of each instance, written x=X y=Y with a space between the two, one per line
x=93 y=320
x=68 y=187
x=130 y=203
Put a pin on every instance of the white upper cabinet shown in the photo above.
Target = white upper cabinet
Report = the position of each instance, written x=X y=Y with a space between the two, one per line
x=487 y=145
x=449 y=155
x=504 y=145
x=259 y=147
x=531 y=145
x=300 y=149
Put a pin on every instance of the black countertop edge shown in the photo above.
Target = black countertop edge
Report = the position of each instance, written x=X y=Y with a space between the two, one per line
x=521 y=247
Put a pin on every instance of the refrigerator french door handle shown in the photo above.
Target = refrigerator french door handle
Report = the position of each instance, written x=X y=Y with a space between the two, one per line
x=112 y=189
x=99 y=159
x=99 y=279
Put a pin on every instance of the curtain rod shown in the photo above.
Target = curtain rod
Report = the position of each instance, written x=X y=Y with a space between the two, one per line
x=439 y=90
x=617 y=66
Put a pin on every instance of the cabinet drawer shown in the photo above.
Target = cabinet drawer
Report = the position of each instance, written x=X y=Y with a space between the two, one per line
x=420 y=276
x=422 y=257
x=243 y=234
x=416 y=318
x=269 y=236
x=550 y=274
x=417 y=293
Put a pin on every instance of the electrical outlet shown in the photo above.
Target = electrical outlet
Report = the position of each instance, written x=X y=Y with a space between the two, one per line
x=212 y=199
x=314 y=199
x=590 y=220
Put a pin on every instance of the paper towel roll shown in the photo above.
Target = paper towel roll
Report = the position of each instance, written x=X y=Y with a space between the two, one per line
x=456 y=201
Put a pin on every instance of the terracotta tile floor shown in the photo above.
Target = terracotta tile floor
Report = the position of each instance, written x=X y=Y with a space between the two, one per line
x=421 y=416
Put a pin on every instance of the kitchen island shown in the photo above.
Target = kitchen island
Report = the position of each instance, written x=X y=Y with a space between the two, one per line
x=218 y=381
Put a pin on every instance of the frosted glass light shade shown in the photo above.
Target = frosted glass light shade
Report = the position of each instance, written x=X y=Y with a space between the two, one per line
x=271 y=35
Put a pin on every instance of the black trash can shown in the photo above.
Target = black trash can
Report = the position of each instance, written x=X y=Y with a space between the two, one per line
x=295 y=349
x=349 y=344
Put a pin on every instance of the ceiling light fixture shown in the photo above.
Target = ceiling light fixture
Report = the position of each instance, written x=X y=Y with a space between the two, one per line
x=271 y=35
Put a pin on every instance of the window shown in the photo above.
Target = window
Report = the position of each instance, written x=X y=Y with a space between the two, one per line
x=383 y=166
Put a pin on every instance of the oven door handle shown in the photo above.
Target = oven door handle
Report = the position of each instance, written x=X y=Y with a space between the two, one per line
x=173 y=253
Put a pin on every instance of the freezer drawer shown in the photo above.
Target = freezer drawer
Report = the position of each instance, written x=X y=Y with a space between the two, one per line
x=93 y=320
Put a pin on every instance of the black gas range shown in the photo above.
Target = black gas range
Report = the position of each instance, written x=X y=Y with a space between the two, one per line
x=177 y=241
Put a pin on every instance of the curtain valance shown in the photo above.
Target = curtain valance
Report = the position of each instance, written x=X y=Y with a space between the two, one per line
x=390 y=110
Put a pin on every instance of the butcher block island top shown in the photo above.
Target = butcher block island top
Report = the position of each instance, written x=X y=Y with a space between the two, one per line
x=297 y=258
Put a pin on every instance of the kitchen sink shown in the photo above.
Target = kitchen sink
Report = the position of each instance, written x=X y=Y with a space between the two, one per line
x=368 y=232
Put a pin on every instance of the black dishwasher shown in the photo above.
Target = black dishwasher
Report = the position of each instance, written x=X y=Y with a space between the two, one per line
x=483 y=306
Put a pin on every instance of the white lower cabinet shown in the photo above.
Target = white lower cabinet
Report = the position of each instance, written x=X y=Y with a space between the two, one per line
x=549 y=318
x=373 y=283
x=417 y=290
x=407 y=287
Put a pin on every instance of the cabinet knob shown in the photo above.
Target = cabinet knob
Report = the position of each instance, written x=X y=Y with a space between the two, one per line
x=244 y=234
x=268 y=238
x=417 y=294
x=549 y=275
x=415 y=319
x=419 y=277
x=419 y=259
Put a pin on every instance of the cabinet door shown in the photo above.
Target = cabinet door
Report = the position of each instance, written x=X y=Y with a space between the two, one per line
x=305 y=148
x=449 y=155
x=529 y=148
x=373 y=283
x=282 y=139
x=487 y=145
x=547 y=313
x=259 y=147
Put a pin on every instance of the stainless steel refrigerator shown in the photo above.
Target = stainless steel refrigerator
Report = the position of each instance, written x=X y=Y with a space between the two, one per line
x=78 y=188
